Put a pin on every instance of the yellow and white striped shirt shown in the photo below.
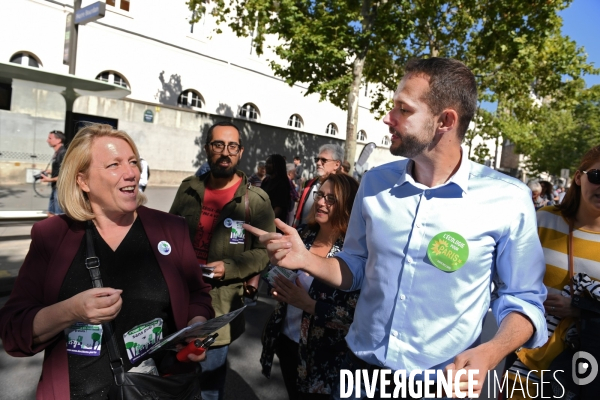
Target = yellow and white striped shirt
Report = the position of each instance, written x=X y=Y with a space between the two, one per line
x=553 y=231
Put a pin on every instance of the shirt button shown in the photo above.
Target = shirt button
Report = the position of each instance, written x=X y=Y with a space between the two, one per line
x=402 y=297
x=409 y=259
x=427 y=191
x=418 y=224
x=394 y=333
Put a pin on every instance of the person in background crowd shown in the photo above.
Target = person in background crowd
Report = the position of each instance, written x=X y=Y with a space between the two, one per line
x=425 y=241
x=547 y=193
x=56 y=140
x=204 y=168
x=257 y=178
x=579 y=213
x=277 y=186
x=298 y=179
x=560 y=192
x=536 y=194
x=215 y=205
x=291 y=173
x=145 y=174
x=98 y=190
x=311 y=319
x=346 y=167
x=328 y=162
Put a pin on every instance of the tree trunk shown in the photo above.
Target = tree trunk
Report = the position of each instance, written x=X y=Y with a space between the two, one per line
x=352 y=112
x=495 y=166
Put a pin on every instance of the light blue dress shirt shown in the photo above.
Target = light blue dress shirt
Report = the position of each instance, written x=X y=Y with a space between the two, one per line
x=410 y=314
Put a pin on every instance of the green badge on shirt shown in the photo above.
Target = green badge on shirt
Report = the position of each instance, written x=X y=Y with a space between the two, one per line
x=448 y=251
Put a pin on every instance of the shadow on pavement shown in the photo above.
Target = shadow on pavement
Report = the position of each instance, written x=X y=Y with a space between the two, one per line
x=237 y=388
x=19 y=376
x=7 y=192
x=245 y=380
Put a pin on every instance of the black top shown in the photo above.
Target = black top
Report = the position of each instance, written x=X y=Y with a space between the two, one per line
x=57 y=160
x=134 y=269
x=278 y=190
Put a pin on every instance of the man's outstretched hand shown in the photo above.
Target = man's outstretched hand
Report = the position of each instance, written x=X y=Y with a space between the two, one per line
x=285 y=250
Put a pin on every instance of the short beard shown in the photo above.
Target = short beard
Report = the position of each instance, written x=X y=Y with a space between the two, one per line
x=218 y=172
x=411 y=146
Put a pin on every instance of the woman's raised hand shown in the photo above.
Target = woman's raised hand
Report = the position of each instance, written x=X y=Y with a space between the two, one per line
x=285 y=250
x=294 y=294
x=96 y=306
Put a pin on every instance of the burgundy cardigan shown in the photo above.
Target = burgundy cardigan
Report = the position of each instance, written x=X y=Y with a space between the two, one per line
x=55 y=242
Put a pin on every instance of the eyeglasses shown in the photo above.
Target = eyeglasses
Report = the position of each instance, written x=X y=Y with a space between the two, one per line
x=323 y=160
x=218 y=147
x=329 y=199
x=593 y=176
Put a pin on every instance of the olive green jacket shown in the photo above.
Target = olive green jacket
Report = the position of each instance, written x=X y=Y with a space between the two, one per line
x=227 y=294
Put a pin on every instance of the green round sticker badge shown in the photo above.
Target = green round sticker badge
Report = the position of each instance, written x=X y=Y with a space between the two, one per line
x=448 y=251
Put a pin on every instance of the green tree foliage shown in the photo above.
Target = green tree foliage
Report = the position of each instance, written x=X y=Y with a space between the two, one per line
x=130 y=346
x=515 y=48
x=157 y=330
x=558 y=136
x=96 y=339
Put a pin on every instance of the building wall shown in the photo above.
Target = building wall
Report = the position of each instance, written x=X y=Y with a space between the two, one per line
x=152 y=47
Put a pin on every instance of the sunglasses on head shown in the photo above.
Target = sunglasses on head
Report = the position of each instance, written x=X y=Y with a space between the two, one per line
x=593 y=176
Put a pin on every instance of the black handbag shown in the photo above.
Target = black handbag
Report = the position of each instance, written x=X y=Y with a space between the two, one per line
x=132 y=385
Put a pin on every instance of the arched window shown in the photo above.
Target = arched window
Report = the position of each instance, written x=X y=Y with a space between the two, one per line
x=113 y=77
x=386 y=141
x=361 y=136
x=331 y=129
x=190 y=98
x=249 y=111
x=26 y=58
x=295 y=121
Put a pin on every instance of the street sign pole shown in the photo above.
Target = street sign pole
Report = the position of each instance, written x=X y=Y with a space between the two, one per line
x=73 y=38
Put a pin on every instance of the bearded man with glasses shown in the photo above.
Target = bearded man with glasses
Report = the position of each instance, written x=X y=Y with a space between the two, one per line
x=215 y=205
x=328 y=162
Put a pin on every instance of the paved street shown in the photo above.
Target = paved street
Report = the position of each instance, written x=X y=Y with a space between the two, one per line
x=19 y=376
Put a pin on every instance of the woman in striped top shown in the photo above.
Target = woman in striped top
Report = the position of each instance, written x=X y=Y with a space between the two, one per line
x=579 y=211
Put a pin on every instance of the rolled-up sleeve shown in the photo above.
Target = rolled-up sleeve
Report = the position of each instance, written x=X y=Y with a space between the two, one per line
x=355 y=250
x=520 y=269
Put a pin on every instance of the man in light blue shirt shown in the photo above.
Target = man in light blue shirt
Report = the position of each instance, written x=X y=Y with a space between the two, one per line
x=427 y=236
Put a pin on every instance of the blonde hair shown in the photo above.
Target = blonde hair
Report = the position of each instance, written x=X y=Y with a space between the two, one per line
x=78 y=158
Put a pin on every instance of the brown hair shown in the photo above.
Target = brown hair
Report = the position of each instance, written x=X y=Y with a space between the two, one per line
x=78 y=158
x=451 y=85
x=344 y=189
x=570 y=204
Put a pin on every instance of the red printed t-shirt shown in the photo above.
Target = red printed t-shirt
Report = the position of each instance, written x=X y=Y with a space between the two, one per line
x=214 y=201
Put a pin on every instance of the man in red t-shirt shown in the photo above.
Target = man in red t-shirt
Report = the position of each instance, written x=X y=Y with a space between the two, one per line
x=215 y=205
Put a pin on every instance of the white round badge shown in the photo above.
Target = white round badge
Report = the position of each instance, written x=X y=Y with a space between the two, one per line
x=228 y=222
x=164 y=248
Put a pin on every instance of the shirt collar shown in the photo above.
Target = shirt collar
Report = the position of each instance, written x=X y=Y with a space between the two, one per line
x=460 y=178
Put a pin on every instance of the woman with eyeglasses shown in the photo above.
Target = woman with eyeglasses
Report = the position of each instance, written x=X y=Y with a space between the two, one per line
x=107 y=268
x=311 y=319
x=569 y=230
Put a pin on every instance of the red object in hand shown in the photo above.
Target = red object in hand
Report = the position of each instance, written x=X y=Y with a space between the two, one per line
x=194 y=347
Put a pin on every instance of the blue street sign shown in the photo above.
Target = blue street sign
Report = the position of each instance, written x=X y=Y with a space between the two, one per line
x=90 y=13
